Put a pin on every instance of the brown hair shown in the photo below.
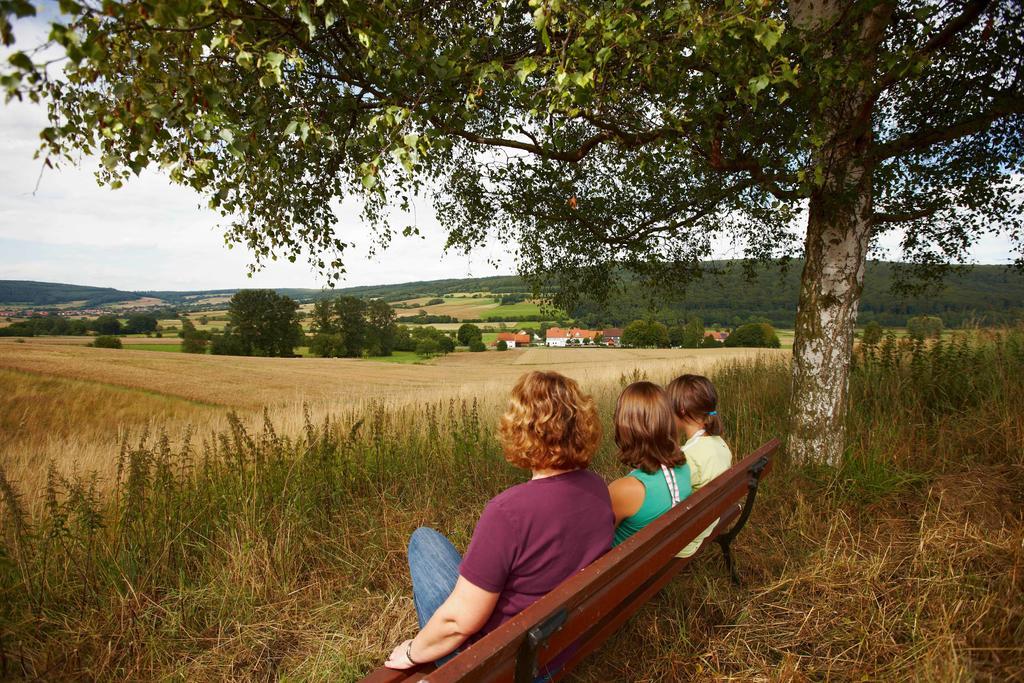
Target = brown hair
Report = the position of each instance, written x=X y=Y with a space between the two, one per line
x=644 y=429
x=549 y=424
x=694 y=396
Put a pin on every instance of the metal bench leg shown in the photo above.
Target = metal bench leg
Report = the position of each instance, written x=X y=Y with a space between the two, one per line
x=725 y=540
x=536 y=637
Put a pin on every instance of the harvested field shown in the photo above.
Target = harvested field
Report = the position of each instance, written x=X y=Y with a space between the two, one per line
x=69 y=404
x=256 y=382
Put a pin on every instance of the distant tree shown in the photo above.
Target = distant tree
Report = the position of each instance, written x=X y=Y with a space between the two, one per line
x=427 y=347
x=350 y=320
x=403 y=339
x=645 y=334
x=204 y=320
x=437 y=301
x=106 y=341
x=228 y=344
x=693 y=333
x=477 y=345
x=872 y=334
x=709 y=342
x=140 y=323
x=265 y=322
x=446 y=344
x=328 y=345
x=467 y=333
x=676 y=334
x=322 y=317
x=924 y=327
x=106 y=325
x=502 y=345
x=187 y=328
x=381 y=328
x=194 y=343
x=754 y=335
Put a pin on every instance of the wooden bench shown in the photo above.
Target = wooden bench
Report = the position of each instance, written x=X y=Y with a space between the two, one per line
x=588 y=607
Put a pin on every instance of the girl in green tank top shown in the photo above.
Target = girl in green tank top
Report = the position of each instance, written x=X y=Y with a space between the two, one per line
x=645 y=433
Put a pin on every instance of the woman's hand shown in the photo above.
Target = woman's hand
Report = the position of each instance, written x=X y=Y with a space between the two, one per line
x=399 y=658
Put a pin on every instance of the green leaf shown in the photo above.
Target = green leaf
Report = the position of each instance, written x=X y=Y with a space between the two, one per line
x=369 y=181
x=758 y=83
x=274 y=59
x=525 y=67
x=227 y=136
x=21 y=61
x=244 y=59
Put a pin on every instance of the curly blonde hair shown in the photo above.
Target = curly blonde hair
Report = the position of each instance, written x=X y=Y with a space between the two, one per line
x=550 y=424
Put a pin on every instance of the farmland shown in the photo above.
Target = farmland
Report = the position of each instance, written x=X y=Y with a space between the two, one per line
x=110 y=393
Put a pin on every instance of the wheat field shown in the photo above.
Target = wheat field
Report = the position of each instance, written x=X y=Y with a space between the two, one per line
x=70 y=405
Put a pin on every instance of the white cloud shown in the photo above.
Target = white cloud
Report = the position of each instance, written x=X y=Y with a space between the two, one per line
x=152 y=234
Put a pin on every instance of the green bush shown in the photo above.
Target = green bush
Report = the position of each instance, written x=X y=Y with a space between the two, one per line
x=758 y=335
x=106 y=341
x=476 y=346
x=502 y=345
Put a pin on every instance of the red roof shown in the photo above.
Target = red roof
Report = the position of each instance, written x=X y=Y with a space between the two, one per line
x=512 y=337
x=612 y=332
x=571 y=333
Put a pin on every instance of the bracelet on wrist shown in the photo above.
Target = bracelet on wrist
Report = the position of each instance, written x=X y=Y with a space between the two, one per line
x=408 y=654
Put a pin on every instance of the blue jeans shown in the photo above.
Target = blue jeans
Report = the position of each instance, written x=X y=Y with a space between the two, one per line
x=434 y=567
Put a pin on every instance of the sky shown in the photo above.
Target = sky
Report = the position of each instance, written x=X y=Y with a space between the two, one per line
x=60 y=226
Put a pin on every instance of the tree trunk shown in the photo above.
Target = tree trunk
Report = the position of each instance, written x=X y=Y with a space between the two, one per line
x=839 y=224
x=838 y=235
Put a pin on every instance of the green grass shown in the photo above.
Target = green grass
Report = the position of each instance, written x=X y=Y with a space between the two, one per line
x=168 y=347
x=398 y=357
x=254 y=554
x=512 y=311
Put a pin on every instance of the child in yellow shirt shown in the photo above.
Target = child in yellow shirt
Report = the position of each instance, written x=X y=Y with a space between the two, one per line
x=695 y=404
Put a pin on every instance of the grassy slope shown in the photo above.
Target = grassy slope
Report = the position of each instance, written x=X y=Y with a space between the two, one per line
x=282 y=556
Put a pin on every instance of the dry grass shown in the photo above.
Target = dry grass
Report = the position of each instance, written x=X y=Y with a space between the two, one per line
x=63 y=403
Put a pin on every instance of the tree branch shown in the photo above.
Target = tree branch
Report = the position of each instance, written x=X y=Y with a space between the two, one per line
x=571 y=156
x=878 y=218
x=1001 y=107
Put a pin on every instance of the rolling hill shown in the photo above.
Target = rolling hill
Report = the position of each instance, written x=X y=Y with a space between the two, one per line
x=986 y=294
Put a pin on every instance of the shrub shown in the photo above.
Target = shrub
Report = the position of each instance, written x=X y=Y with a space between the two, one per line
x=924 y=327
x=502 y=345
x=427 y=348
x=227 y=345
x=477 y=346
x=709 y=342
x=106 y=325
x=467 y=333
x=106 y=341
x=754 y=335
x=872 y=334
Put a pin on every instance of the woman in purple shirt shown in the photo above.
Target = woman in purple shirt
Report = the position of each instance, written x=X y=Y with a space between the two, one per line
x=529 y=538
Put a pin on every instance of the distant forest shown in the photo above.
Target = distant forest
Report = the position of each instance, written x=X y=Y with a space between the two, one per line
x=982 y=294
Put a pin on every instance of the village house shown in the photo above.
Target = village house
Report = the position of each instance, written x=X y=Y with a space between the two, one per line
x=612 y=336
x=513 y=339
x=558 y=336
x=718 y=336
